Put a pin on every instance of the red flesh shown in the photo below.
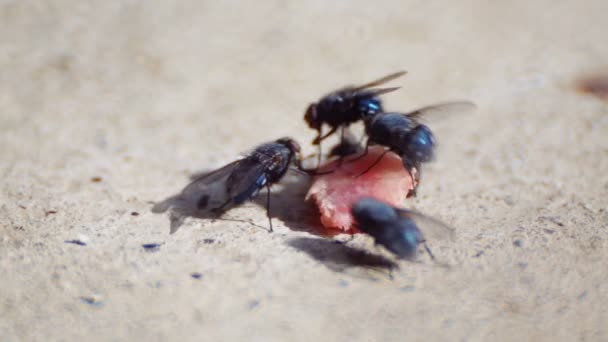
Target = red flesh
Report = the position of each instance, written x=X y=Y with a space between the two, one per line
x=336 y=192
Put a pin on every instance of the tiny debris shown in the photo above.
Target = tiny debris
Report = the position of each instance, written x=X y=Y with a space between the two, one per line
x=343 y=283
x=96 y=179
x=151 y=247
x=76 y=242
x=595 y=85
x=549 y=231
x=522 y=264
x=518 y=243
x=583 y=295
x=208 y=241
x=22 y=206
x=93 y=299
x=19 y=228
x=478 y=254
x=509 y=200
x=551 y=219
x=408 y=288
x=253 y=304
x=448 y=323
x=50 y=212
x=196 y=275
x=134 y=213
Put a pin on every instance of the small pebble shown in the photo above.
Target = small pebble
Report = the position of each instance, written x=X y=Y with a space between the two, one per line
x=151 y=247
x=583 y=295
x=196 y=275
x=408 y=288
x=96 y=179
x=518 y=243
x=134 y=213
x=76 y=242
x=93 y=299
x=253 y=304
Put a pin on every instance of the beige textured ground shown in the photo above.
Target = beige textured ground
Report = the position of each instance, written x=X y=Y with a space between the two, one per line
x=142 y=94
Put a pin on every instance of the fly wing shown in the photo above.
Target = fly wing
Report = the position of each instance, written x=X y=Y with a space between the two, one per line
x=205 y=193
x=441 y=109
x=431 y=228
x=247 y=179
x=381 y=80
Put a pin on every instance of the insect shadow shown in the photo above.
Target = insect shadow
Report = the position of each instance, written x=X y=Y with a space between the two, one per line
x=288 y=206
x=339 y=257
x=235 y=183
x=180 y=209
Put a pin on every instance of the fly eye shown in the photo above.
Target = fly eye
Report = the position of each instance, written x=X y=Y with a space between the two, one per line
x=311 y=116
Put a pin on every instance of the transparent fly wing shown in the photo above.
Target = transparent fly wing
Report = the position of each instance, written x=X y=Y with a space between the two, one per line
x=247 y=179
x=431 y=228
x=201 y=198
x=380 y=91
x=442 y=109
x=207 y=192
x=381 y=80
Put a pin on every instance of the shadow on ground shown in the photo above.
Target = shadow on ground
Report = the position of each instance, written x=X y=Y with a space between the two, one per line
x=287 y=204
x=338 y=256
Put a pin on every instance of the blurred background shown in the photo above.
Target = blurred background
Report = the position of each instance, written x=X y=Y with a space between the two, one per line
x=107 y=107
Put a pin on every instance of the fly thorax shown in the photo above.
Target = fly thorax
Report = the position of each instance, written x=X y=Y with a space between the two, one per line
x=369 y=107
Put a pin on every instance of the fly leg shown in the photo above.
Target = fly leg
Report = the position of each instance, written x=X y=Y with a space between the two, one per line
x=414 y=170
x=268 y=208
x=318 y=140
x=341 y=143
x=374 y=163
x=428 y=250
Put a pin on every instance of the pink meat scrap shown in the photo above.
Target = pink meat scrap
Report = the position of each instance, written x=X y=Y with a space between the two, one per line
x=336 y=192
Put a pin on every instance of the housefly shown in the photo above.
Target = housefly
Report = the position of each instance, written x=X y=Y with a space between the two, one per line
x=233 y=184
x=404 y=135
x=398 y=230
x=347 y=105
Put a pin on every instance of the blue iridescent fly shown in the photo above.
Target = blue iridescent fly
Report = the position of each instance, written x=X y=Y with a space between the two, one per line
x=219 y=190
x=347 y=105
x=398 y=230
x=404 y=135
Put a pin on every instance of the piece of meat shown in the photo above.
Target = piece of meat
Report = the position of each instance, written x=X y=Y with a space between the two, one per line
x=336 y=192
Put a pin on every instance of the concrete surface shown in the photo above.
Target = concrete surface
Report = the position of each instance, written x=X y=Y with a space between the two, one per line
x=108 y=107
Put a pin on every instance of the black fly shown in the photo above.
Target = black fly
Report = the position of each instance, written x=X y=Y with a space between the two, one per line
x=398 y=230
x=345 y=106
x=217 y=191
x=404 y=135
